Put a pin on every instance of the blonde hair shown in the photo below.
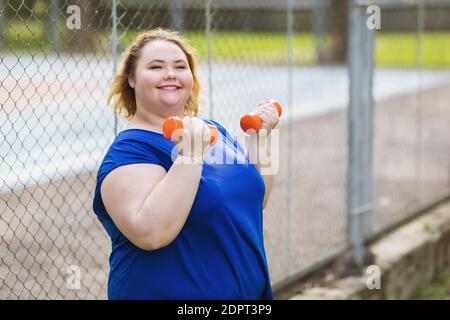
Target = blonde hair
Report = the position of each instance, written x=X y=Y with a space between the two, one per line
x=122 y=97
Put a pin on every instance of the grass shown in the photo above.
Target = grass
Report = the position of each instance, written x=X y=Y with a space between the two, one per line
x=29 y=36
x=436 y=290
x=391 y=49
x=247 y=47
x=396 y=49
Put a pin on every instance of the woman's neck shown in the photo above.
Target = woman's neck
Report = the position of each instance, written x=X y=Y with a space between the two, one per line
x=138 y=123
x=147 y=121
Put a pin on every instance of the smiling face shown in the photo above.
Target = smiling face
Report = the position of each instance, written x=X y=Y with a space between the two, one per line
x=163 y=79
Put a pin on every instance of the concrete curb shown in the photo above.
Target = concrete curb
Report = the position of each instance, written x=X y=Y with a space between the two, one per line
x=406 y=258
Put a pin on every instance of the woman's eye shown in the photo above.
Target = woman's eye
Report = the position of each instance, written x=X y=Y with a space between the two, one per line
x=155 y=67
x=181 y=67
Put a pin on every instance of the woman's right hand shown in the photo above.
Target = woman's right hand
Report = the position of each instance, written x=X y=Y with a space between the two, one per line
x=195 y=138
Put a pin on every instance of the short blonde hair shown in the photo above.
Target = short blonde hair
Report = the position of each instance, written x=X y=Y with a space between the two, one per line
x=122 y=97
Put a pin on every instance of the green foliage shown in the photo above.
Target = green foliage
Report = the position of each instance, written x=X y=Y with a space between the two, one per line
x=436 y=290
x=391 y=49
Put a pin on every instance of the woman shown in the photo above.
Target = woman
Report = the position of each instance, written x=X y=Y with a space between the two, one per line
x=180 y=228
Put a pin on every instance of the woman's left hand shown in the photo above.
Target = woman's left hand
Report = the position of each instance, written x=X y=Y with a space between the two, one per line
x=267 y=111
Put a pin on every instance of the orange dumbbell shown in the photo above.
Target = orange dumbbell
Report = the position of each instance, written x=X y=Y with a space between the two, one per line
x=254 y=122
x=171 y=124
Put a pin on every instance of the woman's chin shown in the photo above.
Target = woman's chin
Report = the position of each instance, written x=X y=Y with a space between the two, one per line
x=171 y=101
x=172 y=105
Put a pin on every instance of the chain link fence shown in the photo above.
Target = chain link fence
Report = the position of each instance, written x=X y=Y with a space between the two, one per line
x=55 y=125
x=412 y=128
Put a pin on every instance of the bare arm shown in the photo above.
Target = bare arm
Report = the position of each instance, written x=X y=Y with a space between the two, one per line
x=268 y=182
x=258 y=147
x=167 y=207
x=252 y=152
x=150 y=206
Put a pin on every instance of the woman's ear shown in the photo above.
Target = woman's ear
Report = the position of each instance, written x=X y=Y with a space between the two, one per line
x=131 y=81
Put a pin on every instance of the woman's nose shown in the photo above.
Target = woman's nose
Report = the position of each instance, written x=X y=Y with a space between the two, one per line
x=170 y=74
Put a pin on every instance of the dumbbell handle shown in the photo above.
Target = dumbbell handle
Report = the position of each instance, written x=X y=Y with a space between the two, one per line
x=254 y=122
x=171 y=124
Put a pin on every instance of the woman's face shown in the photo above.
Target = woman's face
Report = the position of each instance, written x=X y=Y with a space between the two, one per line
x=163 y=79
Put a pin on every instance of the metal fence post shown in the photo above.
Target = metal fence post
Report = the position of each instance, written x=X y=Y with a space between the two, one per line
x=208 y=55
x=319 y=26
x=114 y=50
x=176 y=14
x=418 y=115
x=53 y=22
x=290 y=31
x=360 y=131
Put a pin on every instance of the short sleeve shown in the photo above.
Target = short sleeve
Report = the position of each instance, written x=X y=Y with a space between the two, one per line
x=123 y=152
x=131 y=151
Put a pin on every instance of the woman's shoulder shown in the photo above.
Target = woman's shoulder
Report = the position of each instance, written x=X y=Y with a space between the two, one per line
x=137 y=145
x=135 y=138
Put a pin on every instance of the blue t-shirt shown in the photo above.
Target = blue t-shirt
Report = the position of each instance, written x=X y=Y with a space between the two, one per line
x=218 y=254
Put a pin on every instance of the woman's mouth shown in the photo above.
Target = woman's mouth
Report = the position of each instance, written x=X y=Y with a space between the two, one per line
x=169 y=88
